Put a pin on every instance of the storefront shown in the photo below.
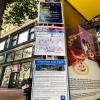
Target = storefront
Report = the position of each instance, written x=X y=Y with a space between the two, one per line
x=16 y=57
x=18 y=66
x=15 y=74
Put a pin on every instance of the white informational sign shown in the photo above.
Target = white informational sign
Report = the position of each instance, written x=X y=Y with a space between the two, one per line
x=85 y=80
x=50 y=41
x=50 y=80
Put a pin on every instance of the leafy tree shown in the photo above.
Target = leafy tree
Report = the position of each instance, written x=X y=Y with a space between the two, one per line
x=17 y=11
x=2 y=7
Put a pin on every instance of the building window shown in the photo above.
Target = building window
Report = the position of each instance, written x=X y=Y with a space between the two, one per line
x=24 y=72
x=18 y=54
x=6 y=76
x=23 y=37
x=31 y=34
x=32 y=29
x=10 y=56
x=2 y=58
x=2 y=45
x=14 y=40
x=27 y=52
x=7 y=43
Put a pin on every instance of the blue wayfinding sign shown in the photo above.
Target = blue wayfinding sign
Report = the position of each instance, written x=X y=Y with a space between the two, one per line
x=50 y=62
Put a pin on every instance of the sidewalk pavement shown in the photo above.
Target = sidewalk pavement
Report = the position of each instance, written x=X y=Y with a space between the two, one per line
x=11 y=94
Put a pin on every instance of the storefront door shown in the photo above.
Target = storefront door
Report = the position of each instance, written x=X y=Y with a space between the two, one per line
x=13 y=82
x=25 y=72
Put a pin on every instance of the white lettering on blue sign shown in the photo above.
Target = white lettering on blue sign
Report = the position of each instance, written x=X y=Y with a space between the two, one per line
x=50 y=62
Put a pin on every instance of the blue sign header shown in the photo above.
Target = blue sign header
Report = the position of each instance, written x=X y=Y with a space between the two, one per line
x=50 y=62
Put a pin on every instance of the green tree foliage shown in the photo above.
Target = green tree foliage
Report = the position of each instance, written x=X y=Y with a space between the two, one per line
x=20 y=10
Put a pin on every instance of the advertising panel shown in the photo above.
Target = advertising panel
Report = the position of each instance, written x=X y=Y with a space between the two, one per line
x=84 y=70
x=15 y=67
x=98 y=36
x=49 y=41
x=50 y=13
x=49 y=80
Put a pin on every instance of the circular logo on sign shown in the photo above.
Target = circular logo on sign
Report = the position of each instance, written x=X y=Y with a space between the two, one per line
x=80 y=68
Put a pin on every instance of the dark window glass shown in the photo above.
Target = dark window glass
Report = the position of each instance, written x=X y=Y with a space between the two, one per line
x=60 y=57
x=18 y=54
x=10 y=56
x=2 y=58
x=14 y=40
x=27 y=52
x=32 y=34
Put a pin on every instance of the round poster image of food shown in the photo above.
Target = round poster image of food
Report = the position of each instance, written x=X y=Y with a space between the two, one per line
x=81 y=68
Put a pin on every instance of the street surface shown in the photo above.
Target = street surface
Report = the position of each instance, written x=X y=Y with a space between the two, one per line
x=11 y=94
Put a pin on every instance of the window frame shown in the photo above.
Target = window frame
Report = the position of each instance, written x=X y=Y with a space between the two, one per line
x=22 y=33
x=31 y=31
x=22 y=67
x=14 y=40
